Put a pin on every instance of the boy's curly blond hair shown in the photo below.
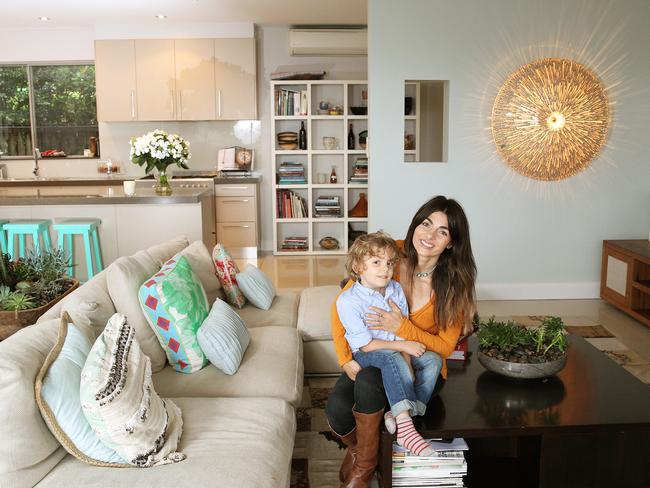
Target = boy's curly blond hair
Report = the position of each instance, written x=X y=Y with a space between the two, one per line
x=369 y=245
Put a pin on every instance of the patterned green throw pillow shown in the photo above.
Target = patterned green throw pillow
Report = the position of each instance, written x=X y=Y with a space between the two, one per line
x=175 y=305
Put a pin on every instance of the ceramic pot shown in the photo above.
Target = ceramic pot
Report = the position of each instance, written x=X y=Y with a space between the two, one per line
x=521 y=370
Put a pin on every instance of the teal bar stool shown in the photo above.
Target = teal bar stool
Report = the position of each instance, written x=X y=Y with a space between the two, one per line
x=3 y=236
x=38 y=229
x=87 y=228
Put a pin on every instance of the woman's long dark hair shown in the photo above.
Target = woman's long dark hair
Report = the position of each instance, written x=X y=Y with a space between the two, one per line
x=455 y=274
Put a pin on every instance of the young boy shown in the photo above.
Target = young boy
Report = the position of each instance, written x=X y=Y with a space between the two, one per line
x=370 y=263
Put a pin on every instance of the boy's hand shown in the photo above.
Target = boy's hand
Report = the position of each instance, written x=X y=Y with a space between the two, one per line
x=413 y=348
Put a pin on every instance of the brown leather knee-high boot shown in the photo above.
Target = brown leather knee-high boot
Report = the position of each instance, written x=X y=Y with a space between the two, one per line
x=365 y=461
x=349 y=440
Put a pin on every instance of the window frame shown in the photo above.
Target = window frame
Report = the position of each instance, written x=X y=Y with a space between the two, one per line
x=32 y=109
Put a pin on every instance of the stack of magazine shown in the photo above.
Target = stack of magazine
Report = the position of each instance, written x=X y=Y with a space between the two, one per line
x=445 y=468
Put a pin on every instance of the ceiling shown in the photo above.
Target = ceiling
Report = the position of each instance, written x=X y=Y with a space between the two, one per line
x=22 y=14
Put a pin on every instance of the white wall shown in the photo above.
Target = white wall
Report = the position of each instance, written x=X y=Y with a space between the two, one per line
x=530 y=239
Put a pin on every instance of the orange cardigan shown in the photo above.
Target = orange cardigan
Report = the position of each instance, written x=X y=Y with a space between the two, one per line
x=418 y=326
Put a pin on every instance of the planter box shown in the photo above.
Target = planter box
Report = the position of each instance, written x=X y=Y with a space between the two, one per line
x=13 y=321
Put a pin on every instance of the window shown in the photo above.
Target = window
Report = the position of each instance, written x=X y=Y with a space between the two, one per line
x=64 y=111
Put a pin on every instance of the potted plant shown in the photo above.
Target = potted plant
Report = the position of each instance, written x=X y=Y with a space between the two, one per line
x=158 y=150
x=30 y=286
x=511 y=349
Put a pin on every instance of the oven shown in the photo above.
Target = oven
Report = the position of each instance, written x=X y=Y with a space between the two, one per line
x=185 y=179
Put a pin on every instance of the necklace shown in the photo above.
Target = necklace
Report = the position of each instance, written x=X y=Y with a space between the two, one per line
x=424 y=274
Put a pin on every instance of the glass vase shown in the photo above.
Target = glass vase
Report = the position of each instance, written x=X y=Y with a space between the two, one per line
x=163 y=188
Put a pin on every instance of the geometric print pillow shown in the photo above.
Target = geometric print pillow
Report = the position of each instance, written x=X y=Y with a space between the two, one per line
x=175 y=305
x=226 y=272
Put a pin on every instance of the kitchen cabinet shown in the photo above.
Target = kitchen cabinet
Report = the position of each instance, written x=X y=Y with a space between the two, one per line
x=176 y=79
x=235 y=78
x=237 y=215
x=155 y=79
x=195 y=79
x=115 y=81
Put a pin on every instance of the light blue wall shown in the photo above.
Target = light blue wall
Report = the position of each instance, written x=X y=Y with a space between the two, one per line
x=531 y=239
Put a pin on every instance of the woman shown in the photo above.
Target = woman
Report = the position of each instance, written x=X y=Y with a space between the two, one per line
x=437 y=272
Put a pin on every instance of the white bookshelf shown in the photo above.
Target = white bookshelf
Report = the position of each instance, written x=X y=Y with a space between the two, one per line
x=316 y=159
x=412 y=121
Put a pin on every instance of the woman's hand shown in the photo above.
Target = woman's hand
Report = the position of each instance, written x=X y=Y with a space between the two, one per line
x=412 y=348
x=380 y=319
x=351 y=368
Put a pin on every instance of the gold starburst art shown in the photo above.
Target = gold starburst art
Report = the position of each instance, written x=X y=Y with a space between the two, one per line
x=550 y=119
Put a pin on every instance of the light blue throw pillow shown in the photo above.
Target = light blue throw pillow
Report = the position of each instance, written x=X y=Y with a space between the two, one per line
x=257 y=287
x=60 y=391
x=223 y=337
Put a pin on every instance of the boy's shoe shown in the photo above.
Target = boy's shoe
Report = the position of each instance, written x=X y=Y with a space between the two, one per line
x=389 y=422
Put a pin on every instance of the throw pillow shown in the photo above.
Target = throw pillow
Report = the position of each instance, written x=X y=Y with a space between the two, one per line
x=226 y=272
x=175 y=304
x=199 y=258
x=57 y=396
x=257 y=287
x=223 y=337
x=118 y=399
x=123 y=279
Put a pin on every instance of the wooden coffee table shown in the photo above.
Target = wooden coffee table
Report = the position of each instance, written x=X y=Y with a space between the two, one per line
x=589 y=426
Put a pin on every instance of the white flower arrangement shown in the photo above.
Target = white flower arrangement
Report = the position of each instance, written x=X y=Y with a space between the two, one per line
x=157 y=149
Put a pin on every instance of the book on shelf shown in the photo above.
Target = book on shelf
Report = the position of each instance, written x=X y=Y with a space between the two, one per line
x=291 y=102
x=290 y=205
x=291 y=173
x=294 y=244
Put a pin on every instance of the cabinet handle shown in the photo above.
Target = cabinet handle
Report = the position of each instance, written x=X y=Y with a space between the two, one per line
x=219 y=103
x=171 y=97
x=180 y=103
x=133 y=104
x=235 y=188
x=238 y=226
x=234 y=201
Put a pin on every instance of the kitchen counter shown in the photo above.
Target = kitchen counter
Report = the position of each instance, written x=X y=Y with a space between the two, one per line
x=115 y=180
x=107 y=196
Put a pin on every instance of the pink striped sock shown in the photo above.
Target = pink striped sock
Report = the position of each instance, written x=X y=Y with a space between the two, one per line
x=411 y=439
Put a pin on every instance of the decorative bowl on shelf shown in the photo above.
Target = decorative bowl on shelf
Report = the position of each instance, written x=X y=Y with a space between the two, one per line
x=363 y=139
x=329 y=243
x=287 y=140
x=359 y=110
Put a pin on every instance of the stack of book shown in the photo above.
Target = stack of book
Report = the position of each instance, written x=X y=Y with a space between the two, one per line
x=294 y=244
x=290 y=205
x=291 y=173
x=445 y=468
x=360 y=171
x=460 y=352
x=290 y=102
x=327 y=206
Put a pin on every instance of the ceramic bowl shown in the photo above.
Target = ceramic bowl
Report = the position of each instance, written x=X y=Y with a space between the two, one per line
x=359 y=110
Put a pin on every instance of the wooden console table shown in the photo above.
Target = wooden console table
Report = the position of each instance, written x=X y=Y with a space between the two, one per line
x=625 y=277
x=589 y=426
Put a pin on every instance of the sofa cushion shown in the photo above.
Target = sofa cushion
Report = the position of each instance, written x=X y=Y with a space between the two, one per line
x=124 y=278
x=243 y=443
x=271 y=367
x=119 y=401
x=223 y=337
x=257 y=287
x=164 y=251
x=57 y=396
x=28 y=449
x=199 y=258
x=175 y=305
x=227 y=273
x=283 y=313
x=314 y=321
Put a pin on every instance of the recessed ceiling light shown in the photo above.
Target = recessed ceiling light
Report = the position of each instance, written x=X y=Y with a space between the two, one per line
x=161 y=16
x=44 y=19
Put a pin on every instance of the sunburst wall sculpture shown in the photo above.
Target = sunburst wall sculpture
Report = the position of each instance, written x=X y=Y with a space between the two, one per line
x=550 y=119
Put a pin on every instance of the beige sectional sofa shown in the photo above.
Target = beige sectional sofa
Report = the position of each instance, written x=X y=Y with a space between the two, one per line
x=238 y=431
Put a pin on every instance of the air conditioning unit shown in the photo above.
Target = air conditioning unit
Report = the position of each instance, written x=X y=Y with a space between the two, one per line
x=328 y=42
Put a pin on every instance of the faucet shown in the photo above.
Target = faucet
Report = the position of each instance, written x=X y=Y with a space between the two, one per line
x=37 y=154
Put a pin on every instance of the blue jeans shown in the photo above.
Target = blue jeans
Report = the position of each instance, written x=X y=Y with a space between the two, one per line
x=404 y=393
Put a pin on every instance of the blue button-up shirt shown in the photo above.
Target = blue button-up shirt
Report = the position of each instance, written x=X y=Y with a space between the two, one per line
x=353 y=305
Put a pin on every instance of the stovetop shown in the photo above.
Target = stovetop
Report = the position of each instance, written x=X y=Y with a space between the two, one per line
x=187 y=175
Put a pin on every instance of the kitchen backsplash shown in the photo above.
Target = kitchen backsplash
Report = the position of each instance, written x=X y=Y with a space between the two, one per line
x=205 y=138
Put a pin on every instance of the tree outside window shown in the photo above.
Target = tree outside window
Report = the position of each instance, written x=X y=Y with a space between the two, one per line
x=64 y=109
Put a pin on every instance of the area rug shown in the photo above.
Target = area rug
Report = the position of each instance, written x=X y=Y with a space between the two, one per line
x=317 y=455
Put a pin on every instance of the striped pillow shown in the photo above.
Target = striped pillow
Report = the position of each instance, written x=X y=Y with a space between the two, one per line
x=223 y=337
x=257 y=287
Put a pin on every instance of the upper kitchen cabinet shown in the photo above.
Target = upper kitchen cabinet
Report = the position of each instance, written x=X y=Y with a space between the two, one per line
x=195 y=79
x=115 y=81
x=155 y=75
x=235 y=79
